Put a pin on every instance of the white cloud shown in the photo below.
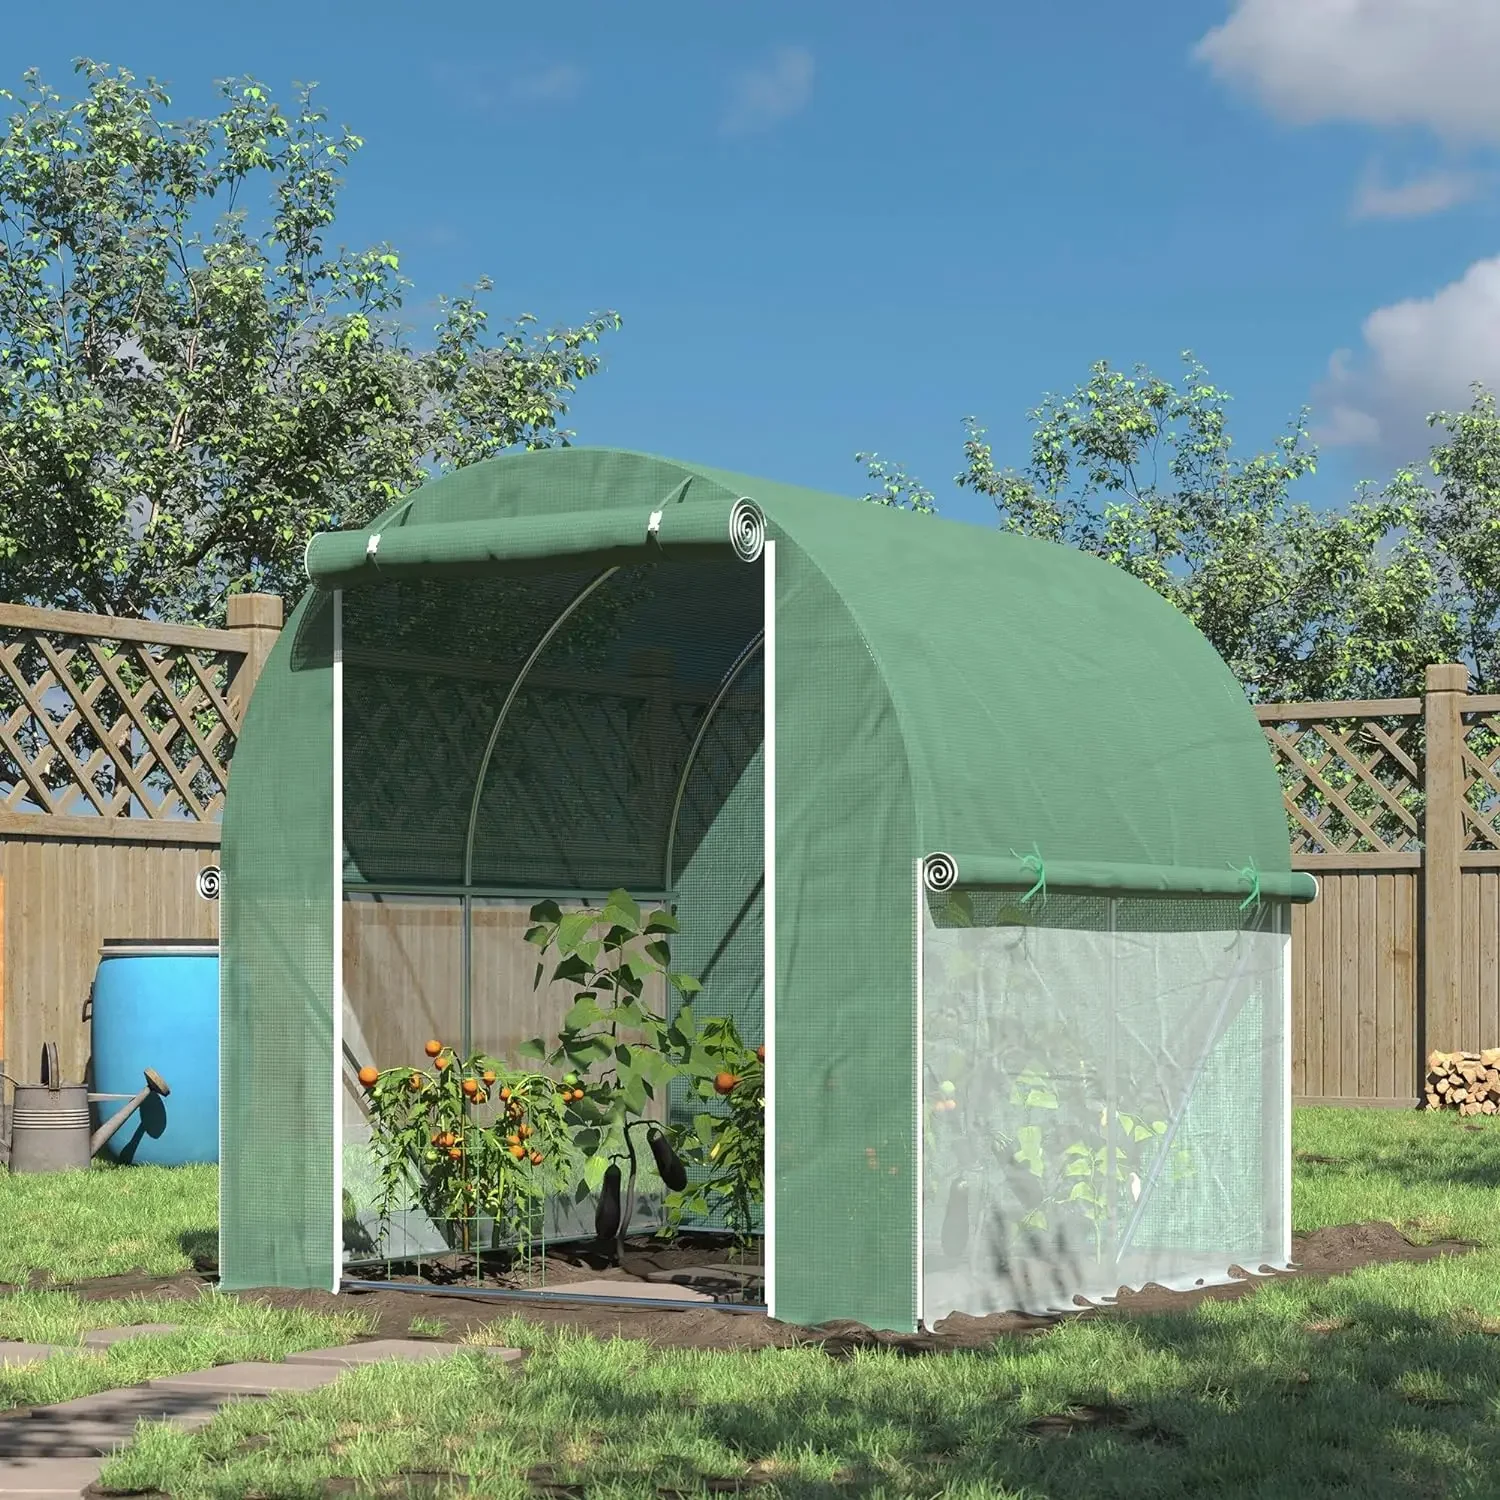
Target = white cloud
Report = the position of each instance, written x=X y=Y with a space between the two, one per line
x=1433 y=63
x=1417 y=198
x=765 y=96
x=553 y=85
x=1419 y=356
x=480 y=87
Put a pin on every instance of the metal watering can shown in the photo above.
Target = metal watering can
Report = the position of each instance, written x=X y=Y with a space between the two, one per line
x=50 y=1129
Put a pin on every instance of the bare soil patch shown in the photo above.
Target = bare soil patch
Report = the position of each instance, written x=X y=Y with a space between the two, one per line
x=462 y=1307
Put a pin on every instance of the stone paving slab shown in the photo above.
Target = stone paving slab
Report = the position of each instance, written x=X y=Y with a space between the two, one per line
x=749 y=1271
x=252 y=1378
x=13 y=1353
x=55 y=1451
x=102 y=1338
x=52 y=1478
x=700 y=1276
x=372 y=1350
x=630 y=1291
x=97 y=1425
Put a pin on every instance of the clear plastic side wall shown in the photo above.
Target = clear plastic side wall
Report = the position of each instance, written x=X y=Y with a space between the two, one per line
x=1103 y=1097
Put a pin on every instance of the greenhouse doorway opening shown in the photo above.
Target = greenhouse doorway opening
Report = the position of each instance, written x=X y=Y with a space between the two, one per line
x=525 y=737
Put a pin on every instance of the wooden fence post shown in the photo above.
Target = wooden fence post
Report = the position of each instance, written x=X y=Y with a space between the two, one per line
x=1442 y=933
x=258 y=618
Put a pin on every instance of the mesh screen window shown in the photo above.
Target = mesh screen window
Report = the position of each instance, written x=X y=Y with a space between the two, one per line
x=1103 y=1097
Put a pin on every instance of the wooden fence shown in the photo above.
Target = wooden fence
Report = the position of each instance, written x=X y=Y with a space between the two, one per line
x=115 y=743
x=1395 y=807
x=116 y=739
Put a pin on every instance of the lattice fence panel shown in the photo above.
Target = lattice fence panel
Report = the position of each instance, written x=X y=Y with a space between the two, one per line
x=1353 y=785
x=1481 y=765
x=95 y=727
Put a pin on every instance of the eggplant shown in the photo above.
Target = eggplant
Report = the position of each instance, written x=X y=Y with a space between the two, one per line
x=668 y=1163
x=607 y=1213
x=955 y=1233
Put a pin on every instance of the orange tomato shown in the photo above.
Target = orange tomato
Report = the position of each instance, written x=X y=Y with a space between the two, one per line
x=433 y=1048
x=369 y=1077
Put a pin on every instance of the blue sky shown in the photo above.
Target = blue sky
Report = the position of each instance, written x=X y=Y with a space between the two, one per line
x=832 y=227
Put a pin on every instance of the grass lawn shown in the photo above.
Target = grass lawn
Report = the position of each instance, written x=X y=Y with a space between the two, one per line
x=1385 y=1383
x=1381 y=1384
x=211 y=1329
x=1434 y=1176
x=108 y=1221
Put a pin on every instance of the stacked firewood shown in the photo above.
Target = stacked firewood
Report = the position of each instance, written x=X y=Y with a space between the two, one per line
x=1466 y=1081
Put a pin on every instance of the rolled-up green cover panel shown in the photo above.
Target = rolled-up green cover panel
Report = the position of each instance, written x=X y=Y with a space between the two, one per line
x=943 y=871
x=685 y=529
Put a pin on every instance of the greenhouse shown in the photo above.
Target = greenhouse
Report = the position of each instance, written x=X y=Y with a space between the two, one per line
x=976 y=835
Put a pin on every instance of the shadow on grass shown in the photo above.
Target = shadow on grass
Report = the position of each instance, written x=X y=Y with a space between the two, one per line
x=1421 y=1162
x=201 y=1246
x=1390 y=1405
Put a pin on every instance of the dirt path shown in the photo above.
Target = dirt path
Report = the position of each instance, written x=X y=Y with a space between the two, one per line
x=1323 y=1253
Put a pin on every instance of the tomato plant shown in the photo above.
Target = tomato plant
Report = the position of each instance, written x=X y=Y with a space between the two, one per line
x=471 y=1139
x=614 y=1043
x=723 y=1070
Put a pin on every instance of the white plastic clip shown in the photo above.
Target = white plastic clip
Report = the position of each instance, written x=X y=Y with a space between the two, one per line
x=653 y=526
x=373 y=545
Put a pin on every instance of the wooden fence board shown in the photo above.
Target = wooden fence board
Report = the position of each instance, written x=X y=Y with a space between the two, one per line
x=65 y=898
x=115 y=741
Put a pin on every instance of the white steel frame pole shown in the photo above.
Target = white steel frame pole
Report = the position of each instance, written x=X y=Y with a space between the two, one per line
x=917 y=1114
x=1286 y=1085
x=768 y=983
x=338 y=938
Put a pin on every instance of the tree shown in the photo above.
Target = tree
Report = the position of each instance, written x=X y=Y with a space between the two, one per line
x=1301 y=604
x=187 y=393
x=1459 y=521
x=898 y=490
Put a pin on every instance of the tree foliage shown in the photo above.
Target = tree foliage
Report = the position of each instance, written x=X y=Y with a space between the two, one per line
x=1302 y=603
x=189 y=390
x=898 y=490
x=1460 y=522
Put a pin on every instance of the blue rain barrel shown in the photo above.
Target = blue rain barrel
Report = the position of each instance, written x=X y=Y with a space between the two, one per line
x=156 y=1005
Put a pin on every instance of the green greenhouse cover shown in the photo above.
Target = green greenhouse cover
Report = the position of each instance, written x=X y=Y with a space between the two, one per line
x=1021 y=673
x=1031 y=711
